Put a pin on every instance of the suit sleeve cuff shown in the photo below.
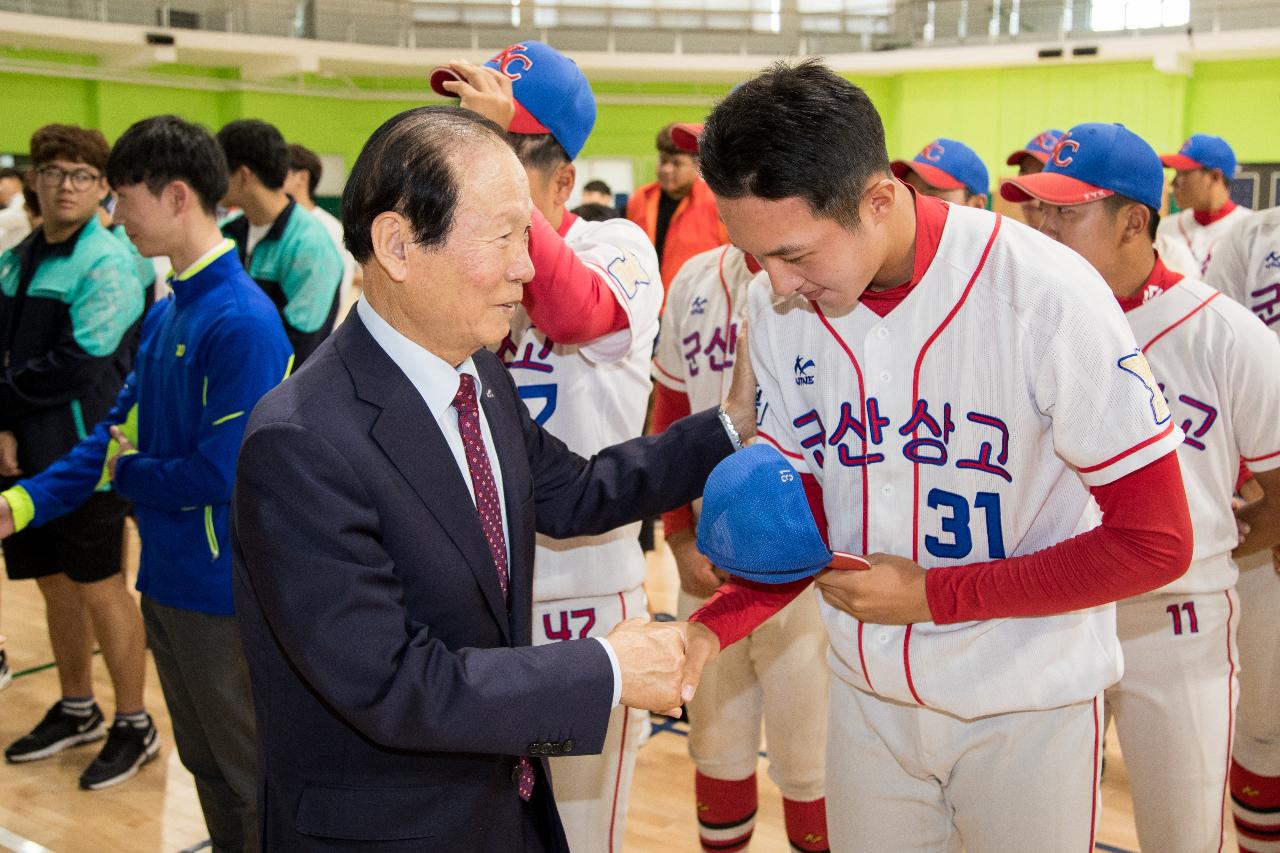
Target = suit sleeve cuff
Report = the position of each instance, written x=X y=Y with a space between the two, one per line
x=617 y=672
x=23 y=510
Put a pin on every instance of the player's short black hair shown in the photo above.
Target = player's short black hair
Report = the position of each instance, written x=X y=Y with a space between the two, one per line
x=796 y=131
x=258 y=145
x=538 y=151
x=1116 y=203
x=595 y=212
x=159 y=150
x=597 y=186
x=409 y=166
x=303 y=159
x=10 y=173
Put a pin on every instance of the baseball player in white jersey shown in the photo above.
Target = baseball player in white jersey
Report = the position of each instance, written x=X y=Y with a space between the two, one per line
x=1246 y=267
x=1030 y=159
x=953 y=388
x=778 y=675
x=1204 y=168
x=1216 y=364
x=579 y=352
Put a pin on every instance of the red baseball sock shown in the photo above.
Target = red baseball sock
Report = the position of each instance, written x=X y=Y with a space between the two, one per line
x=1255 y=804
x=726 y=812
x=807 y=825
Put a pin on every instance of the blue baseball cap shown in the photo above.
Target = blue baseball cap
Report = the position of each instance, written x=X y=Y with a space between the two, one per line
x=552 y=94
x=947 y=165
x=1039 y=146
x=1203 y=151
x=1090 y=162
x=756 y=523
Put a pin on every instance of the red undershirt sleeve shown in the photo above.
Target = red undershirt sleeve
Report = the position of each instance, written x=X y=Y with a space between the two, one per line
x=1144 y=542
x=738 y=607
x=670 y=406
x=570 y=302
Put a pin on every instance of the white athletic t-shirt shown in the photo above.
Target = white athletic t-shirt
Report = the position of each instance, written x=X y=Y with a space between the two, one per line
x=1246 y=265
x=1181 y=228
x=1217 y=367
x=592 y=396
x=699 y=338
x=965 y=425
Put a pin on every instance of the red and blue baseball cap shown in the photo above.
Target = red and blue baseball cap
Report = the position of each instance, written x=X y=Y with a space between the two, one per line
x=552 y=94
x=1203 y=151
x=947 y=165
x=1040 y=147
x=1090 y=162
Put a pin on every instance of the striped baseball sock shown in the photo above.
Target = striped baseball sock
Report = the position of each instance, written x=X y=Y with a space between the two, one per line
x=77 y=706
x=807 y=825
x=1255 y=804
x=726 y=812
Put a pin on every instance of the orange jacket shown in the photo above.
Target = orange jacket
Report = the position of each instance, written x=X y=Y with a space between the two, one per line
x=695 y=225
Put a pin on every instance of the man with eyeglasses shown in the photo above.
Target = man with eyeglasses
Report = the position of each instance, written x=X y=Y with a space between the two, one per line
x=70 y=304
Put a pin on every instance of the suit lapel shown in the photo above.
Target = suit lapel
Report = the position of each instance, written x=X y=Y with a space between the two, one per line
x=409 y=436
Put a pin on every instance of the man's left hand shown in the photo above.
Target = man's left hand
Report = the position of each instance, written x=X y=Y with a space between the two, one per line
x=483 y=90
x=890 y=592
x=125 y=447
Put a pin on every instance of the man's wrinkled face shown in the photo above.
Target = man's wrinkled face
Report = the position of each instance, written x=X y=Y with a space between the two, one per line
x=468 y=288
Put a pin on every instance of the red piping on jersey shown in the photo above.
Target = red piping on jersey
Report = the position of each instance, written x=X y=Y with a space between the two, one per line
x=667 y=373
x=1141 y=444
x=774 y=442
x=862 y=408
x=622 y=748
x=1208 y=217
x=1093 y=800
x=1260 y=458
x=1231 y=709
x=915 y=467
x=1180 y=321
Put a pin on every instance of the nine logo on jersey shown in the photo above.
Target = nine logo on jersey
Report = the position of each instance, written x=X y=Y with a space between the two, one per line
x=802 y=368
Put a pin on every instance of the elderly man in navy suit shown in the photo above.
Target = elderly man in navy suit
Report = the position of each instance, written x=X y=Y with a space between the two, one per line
x=384 y=519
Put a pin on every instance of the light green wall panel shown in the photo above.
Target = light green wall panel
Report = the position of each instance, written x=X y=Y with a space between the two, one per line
x=1239 y=101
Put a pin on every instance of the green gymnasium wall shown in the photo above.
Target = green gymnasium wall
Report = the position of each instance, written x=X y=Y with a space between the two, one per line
x=994 y=110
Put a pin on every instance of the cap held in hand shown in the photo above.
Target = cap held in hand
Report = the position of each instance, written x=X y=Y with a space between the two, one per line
x=756 y=523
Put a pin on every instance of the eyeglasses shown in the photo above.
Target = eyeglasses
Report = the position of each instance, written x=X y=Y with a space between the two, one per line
x=81 y=179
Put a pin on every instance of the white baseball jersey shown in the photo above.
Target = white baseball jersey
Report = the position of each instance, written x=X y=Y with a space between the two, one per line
x=966 y=425
x=1176 y=255
x=1246 y=265
x=1182 y=228
x=592 y=396
x=1218 y=368
x=700 y=326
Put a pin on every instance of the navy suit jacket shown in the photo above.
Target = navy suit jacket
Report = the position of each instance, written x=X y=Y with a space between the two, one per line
x=393 y=687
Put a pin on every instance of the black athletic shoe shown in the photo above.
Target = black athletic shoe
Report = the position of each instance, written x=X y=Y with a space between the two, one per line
x=56 y=732
x=127 y=748
x=5 y=674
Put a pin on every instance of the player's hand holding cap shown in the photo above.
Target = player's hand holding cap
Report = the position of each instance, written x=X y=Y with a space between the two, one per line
x=1090 y=162
x=756 y=523
x=551 y=93
x=948 y=165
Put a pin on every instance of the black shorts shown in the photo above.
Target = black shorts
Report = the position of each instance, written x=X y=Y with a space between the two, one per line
x=86 y=545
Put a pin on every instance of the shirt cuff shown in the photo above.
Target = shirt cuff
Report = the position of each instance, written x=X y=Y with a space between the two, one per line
x=23 y=510
x=617 y=672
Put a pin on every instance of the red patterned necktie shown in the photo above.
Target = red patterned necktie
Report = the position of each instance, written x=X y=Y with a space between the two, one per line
x=489 y=508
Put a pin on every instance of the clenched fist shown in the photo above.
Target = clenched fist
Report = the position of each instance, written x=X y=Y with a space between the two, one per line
x=651 y=657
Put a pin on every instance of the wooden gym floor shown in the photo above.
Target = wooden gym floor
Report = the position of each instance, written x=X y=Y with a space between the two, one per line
x=42 y=809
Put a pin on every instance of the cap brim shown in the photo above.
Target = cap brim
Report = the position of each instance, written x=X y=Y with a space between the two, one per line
x=1051 y=187
x=931 y=175
x=1181 y=162
x=439 y=76
x=685 y=136
x=1015 y=158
